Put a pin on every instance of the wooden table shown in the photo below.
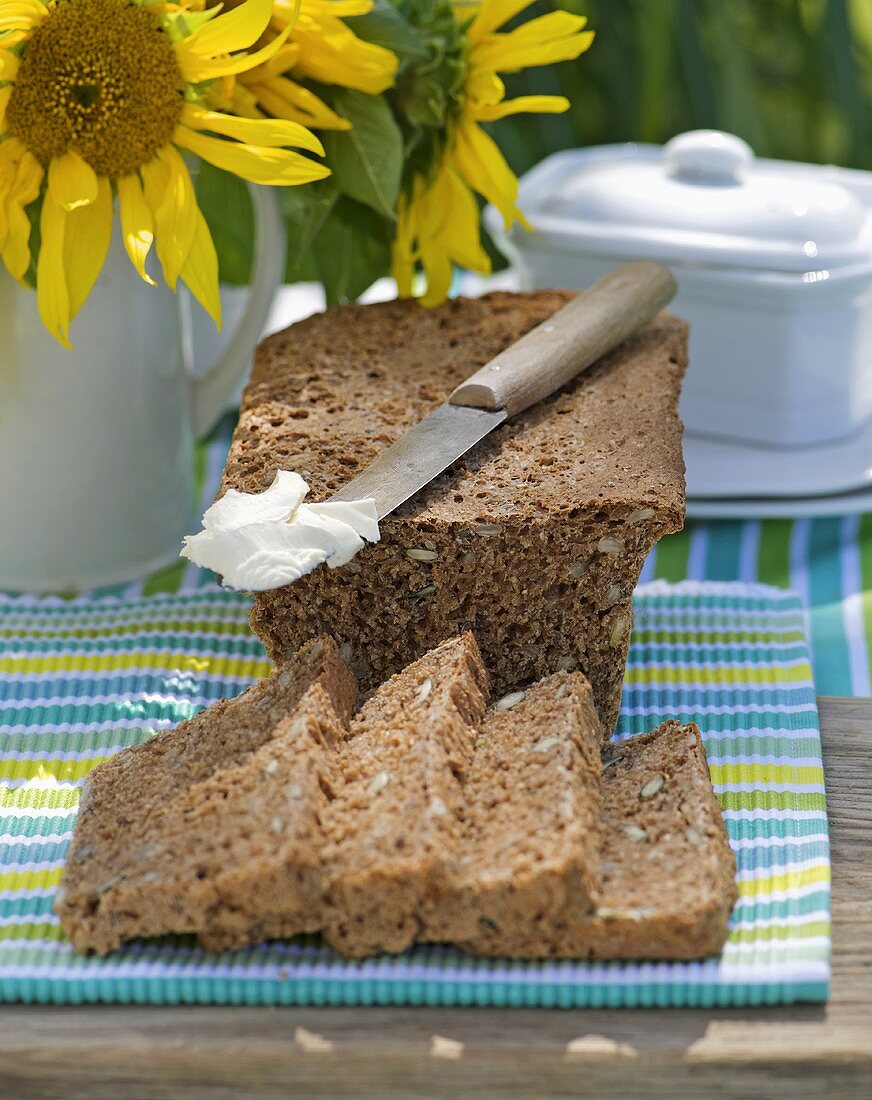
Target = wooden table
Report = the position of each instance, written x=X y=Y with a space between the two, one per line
x=115 y=1053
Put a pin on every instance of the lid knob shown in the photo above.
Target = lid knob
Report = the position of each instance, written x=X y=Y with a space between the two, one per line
x=708 y=156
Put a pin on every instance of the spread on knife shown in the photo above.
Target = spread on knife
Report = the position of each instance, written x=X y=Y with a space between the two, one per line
x=257 y=541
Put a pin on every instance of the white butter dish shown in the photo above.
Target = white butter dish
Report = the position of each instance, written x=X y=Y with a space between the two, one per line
x=773 y=261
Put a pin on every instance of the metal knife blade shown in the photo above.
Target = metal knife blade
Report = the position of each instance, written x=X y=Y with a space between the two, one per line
x=419 y=455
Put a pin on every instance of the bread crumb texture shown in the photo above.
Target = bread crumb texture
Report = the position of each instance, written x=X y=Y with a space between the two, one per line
x=534 y=540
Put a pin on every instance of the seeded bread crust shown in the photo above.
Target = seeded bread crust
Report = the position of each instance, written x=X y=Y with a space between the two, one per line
x=668 y=874
x=138 y=863
x=534 y=540
x=532 y=828
x=395 y=827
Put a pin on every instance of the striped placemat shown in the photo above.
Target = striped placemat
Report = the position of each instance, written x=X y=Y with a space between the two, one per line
x=80 y=679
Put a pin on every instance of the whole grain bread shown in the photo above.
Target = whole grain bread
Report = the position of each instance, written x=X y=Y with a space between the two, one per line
x=158 y=822
x=394 y=829
x=419 y=822
x=667 y=883
x=532 y=829
x=534 y=539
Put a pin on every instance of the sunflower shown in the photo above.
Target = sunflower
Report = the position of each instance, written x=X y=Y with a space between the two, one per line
x=98 y=99
x=437 y=214
x=320 y=47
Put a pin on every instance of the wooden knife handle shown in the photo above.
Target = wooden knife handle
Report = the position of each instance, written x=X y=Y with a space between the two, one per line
x=553 y=353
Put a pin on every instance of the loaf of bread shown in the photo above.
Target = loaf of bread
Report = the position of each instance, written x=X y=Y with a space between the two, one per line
x=534 y=540
x=533 y=821
x=162 y=825
x=667 y=872
x=395 y=827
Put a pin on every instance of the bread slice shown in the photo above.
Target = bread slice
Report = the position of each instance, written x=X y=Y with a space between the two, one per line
x=667 y=871
x=160 y=824
x=533 y=540
x=394 y=828
x=532 y=830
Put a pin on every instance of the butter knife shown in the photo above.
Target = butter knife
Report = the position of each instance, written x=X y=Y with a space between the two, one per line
x=597 y=320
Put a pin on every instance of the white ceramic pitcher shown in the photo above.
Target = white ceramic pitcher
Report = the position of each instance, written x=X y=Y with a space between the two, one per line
x=96 y=444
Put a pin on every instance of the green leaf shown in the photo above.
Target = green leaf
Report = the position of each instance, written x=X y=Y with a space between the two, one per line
x=320 y=209
x=306 y=209
x=300 y=267
x=352 y=250
x=385 y=26
x=226 y=205
x=367 y=161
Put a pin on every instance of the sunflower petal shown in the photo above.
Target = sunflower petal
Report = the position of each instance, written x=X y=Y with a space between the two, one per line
x=196 y=69
x=200 y=273
x=170 y=194
x=536 y=104
x=286 y=99
x=5 y=93
x=8 y=65
x=72 y=181
x=23 y=190
x=460 y=232
x=402 y=255
x=11 y=151
x=155 y=176
x=52 y=296
x=332 y=53
x=483 y=87
x=236 y=29
x=284 y=60
x=439 y=271
x=72 y=250
x=137 y=223
x=267 y=131
x=493 y=14
x=252 y=162
x=440 y=227
x=557 y=36
x=323 y=10
x=86 y=243
x=241 y=102
x=480 y=163
x=21 y=15
x=7 y=179
x=18 y=8
x=454 y=236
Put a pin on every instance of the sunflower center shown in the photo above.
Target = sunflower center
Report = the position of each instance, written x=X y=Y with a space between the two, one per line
x=99 y=77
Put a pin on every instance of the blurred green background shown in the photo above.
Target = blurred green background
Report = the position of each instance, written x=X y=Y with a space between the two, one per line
x=792 y=77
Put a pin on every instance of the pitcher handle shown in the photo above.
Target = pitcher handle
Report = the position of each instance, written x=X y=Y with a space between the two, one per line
x=210 y=392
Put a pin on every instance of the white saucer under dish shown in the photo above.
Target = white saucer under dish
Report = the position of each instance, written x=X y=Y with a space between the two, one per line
x=722 y=468
x=837 y=504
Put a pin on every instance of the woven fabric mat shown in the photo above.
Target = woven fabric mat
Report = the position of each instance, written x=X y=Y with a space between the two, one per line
x=81 y=679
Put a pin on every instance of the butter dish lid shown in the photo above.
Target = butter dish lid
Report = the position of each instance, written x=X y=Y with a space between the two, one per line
x=702 y=198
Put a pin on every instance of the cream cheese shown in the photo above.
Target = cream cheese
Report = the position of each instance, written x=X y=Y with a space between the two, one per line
x=256 y=541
